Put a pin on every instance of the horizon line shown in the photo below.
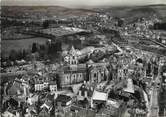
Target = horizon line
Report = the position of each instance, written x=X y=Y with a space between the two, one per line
x=85 y=6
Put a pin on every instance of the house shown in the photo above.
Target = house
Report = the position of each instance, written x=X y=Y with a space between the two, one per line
x=44 y=113
x=98 y=98
x=39 y=86
x=48 y=105
x=53 y=86
x=63 y=100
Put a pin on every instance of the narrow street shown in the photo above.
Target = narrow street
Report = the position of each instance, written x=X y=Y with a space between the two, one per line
x=154 y=105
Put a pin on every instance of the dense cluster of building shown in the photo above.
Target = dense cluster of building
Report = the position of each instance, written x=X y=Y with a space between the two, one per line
x=103 y=88
x=94 y=75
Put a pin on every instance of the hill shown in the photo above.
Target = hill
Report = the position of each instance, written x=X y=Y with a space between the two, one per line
x=51 y=11
x=43 y=11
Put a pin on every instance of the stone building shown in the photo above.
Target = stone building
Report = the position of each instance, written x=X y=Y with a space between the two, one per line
x=72 y=57
x=98 y=72
x=71 y=75
x=72 y=72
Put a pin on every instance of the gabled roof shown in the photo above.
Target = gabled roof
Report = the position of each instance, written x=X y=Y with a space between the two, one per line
x=44 y=113
x=99 y=96
x=47 y=104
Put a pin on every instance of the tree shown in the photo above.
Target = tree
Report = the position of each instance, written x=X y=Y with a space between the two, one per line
x=24 y=54
x=45 y=24
x=13 y=55
x=19 y=55
x=34 y=47
x=58 y=81
x=120 y=22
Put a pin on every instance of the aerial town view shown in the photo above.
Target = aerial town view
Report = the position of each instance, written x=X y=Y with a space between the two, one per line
x=87 y=58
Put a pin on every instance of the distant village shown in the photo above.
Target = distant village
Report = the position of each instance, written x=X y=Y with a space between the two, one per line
x=94 y=66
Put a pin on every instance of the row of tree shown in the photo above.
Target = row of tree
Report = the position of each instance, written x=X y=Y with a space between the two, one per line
x=160 y=26
x=42 y=51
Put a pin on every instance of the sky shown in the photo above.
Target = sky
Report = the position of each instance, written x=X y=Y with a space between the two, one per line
x=77 y=3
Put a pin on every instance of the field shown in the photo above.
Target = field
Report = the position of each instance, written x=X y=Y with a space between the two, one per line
x=8 y=45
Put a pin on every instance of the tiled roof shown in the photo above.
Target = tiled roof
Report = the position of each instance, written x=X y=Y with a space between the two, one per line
x=49 y=104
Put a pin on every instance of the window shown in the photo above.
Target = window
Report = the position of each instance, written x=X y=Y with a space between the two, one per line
x=102 y=74
x=95 y=75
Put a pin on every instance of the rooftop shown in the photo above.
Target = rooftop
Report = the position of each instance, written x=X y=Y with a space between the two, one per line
x=99 y=96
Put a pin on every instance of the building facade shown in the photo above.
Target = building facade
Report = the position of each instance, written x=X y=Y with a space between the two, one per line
x=72 y=57
x=98 y=73
x=73 y=74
